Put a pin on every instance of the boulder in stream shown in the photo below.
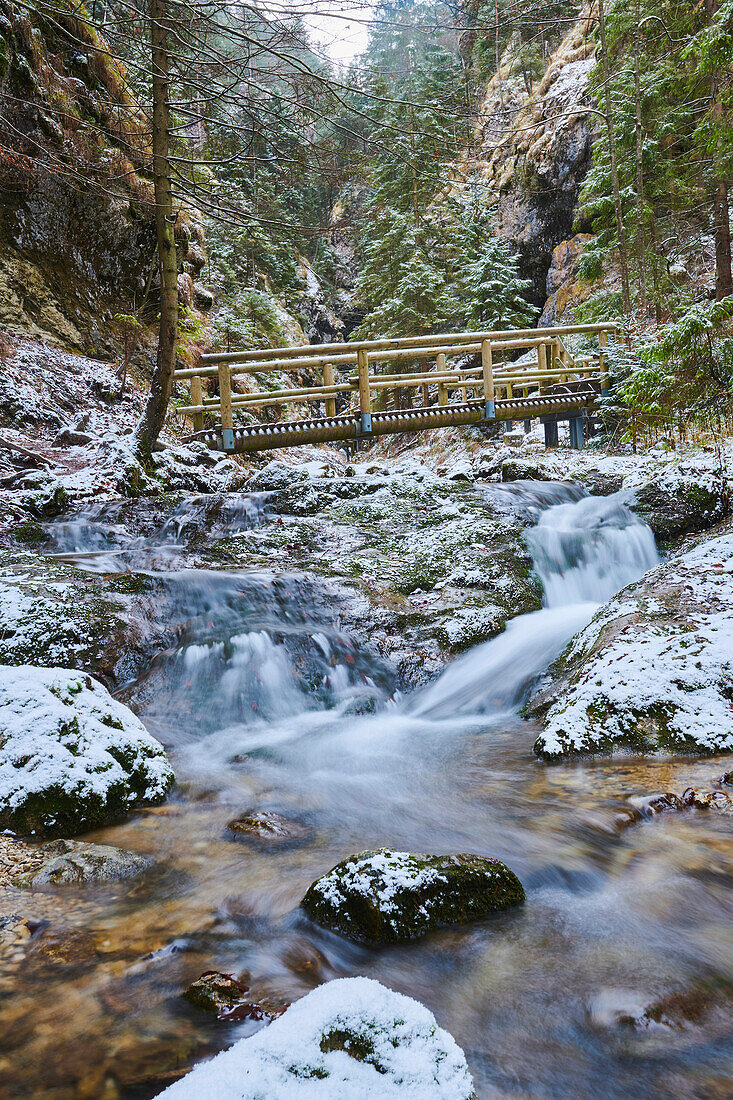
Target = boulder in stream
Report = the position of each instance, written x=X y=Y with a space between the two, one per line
x=390 y=897
x=70 y=862
x=216 y=992
x=652 y=671
x=269 y=830
x=348 y=1038
x=71 y=757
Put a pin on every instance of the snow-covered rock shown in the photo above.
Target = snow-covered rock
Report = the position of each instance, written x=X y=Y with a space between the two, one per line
x=654 y=669
x=54 y=614
x=71 y=757
x=350 y=1039
x=389 y=897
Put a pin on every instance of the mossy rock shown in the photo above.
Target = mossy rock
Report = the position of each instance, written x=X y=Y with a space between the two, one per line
x=30 y=534
x=72 y=758
x=384 y=897
x=216 y=992
x=682 y=507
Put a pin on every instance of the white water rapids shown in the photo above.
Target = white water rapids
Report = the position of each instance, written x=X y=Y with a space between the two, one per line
x=267 y=704
x=584 y=551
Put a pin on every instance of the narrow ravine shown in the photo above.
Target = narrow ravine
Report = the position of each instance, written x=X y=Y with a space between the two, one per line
x=264 y=705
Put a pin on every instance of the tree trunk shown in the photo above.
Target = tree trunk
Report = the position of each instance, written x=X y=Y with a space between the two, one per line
x=620 y=230
x=721 y=217
x=640 y=229
x=153 y=418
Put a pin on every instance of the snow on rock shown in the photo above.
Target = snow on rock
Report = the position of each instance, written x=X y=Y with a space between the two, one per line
x=71 y=757
x=390 y=897
x=54 y=614
x=654 y=669
x=350 y=1038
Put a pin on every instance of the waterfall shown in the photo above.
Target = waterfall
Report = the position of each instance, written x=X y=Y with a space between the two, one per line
x=583 y=551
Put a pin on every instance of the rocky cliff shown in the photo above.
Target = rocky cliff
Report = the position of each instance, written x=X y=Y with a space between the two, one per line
x=77 y=239
x=534 y=142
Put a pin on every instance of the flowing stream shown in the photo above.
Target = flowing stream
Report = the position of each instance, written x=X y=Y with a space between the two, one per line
x=264 y=704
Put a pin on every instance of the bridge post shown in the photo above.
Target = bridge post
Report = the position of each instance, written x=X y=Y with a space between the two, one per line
x=365 y=404
x=575 y=423
x=551 y=433
x=602 y=371
x=541 y=365
x=225 y=400
x=197 y=398
x=329 y=380
x=487 y=369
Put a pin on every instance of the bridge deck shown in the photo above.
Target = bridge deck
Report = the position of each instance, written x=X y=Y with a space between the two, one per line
x=554 y=383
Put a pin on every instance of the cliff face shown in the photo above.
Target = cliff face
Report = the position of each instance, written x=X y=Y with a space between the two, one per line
x=534 y=149
x=77 y=240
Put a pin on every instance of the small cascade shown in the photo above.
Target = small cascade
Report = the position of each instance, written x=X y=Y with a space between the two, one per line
x=97 y=538
x=584 y=550
x=245 y=651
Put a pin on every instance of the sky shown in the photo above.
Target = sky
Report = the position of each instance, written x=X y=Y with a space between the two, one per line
x=339 y=36
x=339 y=28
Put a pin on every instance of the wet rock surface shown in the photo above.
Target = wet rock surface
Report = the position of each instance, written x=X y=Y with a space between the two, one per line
x=642 y=807
x=387 y=897
x=68 y=862
x=57 y=615
x=216 y=992
x=269 y=829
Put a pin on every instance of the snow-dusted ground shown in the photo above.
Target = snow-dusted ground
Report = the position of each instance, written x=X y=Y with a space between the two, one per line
x=63 y=409
x=350 y=1039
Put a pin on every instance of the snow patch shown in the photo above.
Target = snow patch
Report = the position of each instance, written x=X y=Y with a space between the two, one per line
x=350 y=1038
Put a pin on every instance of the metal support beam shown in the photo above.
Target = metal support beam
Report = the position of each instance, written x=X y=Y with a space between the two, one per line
x=551 y=436
x=576 y=432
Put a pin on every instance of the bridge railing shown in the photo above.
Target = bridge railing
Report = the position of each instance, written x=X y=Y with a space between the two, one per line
x=496 y=379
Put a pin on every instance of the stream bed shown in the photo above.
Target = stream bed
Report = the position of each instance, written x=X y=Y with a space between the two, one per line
x=263 y=703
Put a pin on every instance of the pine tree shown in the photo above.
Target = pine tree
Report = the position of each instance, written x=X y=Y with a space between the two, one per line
x=496 y=294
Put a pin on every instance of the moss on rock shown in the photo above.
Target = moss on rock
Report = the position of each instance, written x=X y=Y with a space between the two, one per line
x=383 y=896
x=72 y=758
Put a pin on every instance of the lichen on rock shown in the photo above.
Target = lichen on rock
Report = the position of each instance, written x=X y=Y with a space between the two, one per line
x=385 y=896
x=71 y=757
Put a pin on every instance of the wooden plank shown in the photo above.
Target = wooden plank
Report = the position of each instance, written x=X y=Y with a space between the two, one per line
x=414 y=341
x=365 y=404
x=197 y=399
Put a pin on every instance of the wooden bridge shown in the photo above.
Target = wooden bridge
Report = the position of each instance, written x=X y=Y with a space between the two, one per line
x=472 y=380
